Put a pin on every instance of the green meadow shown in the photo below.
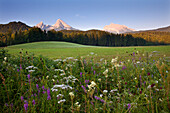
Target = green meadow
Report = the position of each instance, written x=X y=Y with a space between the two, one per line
x=56 y=50
x=74 y=78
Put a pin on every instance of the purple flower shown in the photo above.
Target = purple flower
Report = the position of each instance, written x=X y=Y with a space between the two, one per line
x=92 y=103
x=49 y=97
x=26 y=107
x=43 y=87
x=94 y=72
x=33 y=102
x=48 y=91
x=92 y=68
x=20 y=67
x=133 y=53
x=129 y=106
x=84 y=88
x=81 y=74
x=6 y=104
x=11 y=104
x=96 y=97
x=18 y=70
x=35 y=94
x=124 y=67
x=86 y=81
x=102 y=100
x=22 y=98
x=86 y=85
x=28 y=76
x=43 y=92
x=37 y=86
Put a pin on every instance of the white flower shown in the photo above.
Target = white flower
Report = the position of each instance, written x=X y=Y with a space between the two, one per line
x=91 y=53
x=54 y=89
x=113 y=90
x=61 y=101
x=99 y=79
x=101 y=95
x=101 y=59
x=60 y=95
x=31 y=71
x=76 y=103
x=93 y=83
x=35 y=68
x=29 y=67
x=157 y=89
x=62 y=74
x=57 y=60
x=142 y=69
x=55 y=76
x=5 y=58
x=53 y=80
x=114 y=60
x=160 y=99
x=149 y=87
x=117 y=65
x=71 y=94
x=105 y=72
x=138 y=62
x=47 y=77
x=105 y=91
x=69 y=58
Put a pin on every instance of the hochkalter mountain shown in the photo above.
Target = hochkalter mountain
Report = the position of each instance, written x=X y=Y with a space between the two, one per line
x=59 y=25
x=117 y=29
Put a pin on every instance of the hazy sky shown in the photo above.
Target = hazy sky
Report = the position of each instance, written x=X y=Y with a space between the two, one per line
x=88 y=14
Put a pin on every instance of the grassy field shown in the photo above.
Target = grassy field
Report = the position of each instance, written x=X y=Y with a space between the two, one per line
x=137 y=81
x=56 y=50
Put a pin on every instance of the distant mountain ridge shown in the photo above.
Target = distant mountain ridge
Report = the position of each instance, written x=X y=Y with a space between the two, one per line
x=117 y=29
x=14 y=26
x=59 y=25
x=162 y=29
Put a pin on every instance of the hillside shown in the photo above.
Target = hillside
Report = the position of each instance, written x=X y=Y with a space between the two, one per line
x=157 y=36
x=13 y=26
x=47 y=45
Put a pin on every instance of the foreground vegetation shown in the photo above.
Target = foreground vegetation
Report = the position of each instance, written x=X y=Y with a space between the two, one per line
x=135 y=83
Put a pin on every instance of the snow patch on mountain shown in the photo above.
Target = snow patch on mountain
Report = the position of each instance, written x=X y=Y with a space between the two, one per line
x=117 y=29
x=59 y=25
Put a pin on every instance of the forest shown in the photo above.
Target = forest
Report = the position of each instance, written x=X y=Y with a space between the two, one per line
x=91 y=37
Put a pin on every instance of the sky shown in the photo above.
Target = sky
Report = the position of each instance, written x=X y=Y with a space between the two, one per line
x=88 y=14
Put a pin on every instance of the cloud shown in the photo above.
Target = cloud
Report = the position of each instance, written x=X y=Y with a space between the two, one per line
x=80 y=16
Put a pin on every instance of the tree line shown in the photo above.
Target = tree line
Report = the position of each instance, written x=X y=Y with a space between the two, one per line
x=91 y=37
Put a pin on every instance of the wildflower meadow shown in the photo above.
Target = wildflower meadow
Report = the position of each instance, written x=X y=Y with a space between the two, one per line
x=138 y=83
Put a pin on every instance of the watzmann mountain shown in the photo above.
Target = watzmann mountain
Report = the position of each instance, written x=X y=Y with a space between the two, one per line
x=59 y=25
x=117 y=29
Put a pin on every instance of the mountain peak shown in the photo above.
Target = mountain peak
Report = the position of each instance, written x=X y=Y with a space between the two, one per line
x=116 y=28
x=61 y=24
